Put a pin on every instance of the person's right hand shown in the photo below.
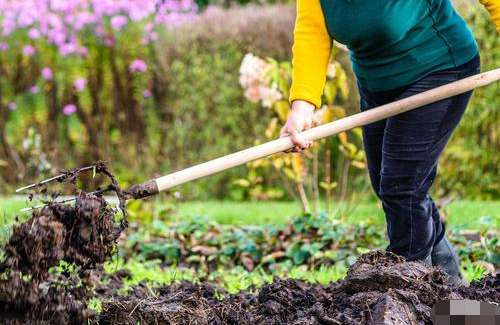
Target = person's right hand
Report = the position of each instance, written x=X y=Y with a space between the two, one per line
x=299 y=119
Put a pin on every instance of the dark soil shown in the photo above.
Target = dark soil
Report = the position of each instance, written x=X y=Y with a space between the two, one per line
x=380 y=288
x=85 y=234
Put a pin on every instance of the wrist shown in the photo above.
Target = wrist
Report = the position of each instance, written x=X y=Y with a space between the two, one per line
x=303 y=106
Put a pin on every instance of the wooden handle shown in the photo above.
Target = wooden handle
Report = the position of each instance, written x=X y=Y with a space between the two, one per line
x=373 y=115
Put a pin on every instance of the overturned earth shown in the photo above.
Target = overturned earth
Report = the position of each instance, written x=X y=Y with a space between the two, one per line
x=380 y=288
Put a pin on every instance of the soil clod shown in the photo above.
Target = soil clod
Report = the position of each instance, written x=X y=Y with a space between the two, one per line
x=85 y=234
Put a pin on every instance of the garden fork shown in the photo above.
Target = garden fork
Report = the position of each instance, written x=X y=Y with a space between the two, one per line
x=154 y=186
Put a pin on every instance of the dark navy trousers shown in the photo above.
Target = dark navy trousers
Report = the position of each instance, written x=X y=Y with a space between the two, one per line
x=402 y=154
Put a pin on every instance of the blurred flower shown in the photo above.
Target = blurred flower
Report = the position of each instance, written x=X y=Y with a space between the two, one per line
x=85 y=18
x=254 y=78
x=47 y=73
x=146 y=93
x=25 y=20
x=12 y=106
x=60 y=20
x=60 y=5
x=69 y=109
x=117 y=22
x=83 y=51
x=80 y=84
x=269 y=96
x=252 y=94
x=138 y=66
x=8 y=26
x=150 y=37
x=332 y=71
x=109 y=42
x=34 y=33
x=4 y=47
x=34 y=89
x=56 y=37
x=253 y=71
x=67 y=49
x=29 y=50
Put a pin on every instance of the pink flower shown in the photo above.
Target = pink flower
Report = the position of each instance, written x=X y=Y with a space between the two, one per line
x=25 y=20
x=67 y=49
x=69 y=109
x=109 y=42
x=151 y=36
x=138 y=66
x=47 y=73
x=80 y=84
x=4 y=47
x=8 y=26
x=34 y=33
x=83 y=51
x=12 y=106
x=29 y=50
x=118 y=22
x=34 y=89
x=146 y=93
x=57 y=37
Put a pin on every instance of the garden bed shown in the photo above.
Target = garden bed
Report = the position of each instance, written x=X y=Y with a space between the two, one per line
x=380 y=288
x=51 y=272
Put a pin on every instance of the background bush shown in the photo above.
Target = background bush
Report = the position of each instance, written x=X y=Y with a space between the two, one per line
x=471 y=163
x=205 y=103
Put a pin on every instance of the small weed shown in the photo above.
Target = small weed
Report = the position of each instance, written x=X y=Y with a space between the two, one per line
x=472 y=270
x=95 y=304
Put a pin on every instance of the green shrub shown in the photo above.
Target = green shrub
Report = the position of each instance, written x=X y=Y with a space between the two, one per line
x=207 y=114
x=471 y=163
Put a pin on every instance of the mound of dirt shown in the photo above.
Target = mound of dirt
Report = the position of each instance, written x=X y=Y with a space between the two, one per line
x=85 y=234
x=381 y=288
x=52 y=301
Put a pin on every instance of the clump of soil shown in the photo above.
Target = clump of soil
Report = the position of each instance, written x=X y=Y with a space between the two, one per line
x=85 y=234
x=381 y=288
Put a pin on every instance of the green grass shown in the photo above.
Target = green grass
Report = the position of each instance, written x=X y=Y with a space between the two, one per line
x=257 y=213
x=458 y=213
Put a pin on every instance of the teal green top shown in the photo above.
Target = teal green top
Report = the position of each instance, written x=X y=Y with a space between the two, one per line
x=394 y=43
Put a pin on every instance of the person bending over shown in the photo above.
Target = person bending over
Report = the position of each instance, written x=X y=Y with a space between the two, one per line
x=398 y=49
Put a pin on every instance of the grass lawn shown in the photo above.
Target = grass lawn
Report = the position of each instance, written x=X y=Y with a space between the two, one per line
x=257 y=213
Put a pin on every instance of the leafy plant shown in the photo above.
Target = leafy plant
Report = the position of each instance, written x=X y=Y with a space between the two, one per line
x=472 y=271
x=471 y=164
x=268 y=82
x=310 y=239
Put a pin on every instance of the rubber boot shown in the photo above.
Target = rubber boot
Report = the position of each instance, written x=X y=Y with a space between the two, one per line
x=444 y=255
x=427 y=260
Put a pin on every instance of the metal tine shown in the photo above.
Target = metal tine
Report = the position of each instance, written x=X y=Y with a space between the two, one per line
x=60 y=202
x=50 y=180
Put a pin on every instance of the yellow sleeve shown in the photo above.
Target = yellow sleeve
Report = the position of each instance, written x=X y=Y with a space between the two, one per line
x=493 y=7
x=311 y=53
